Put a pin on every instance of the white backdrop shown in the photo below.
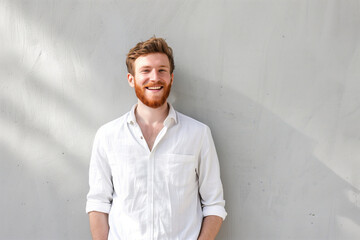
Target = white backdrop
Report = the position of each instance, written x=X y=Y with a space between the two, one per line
x=277 y=81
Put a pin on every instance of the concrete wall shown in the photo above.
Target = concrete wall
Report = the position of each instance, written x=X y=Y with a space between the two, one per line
x=277 y=81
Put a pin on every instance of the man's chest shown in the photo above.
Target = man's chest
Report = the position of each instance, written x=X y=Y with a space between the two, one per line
x=172 y=160
x=150 y=133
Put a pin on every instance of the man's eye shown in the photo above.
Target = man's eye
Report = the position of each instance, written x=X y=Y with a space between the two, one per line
x=145 y=71
x=162 y=70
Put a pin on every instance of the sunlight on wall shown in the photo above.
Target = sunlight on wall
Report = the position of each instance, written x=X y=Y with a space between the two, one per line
x=277 y=81
x=310 y=80
x=346 y=228
x=41 y=101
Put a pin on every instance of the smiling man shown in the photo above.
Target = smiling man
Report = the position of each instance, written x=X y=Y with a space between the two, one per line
x=154 y=172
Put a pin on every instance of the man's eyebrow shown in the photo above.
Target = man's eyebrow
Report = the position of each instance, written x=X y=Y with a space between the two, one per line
x=161 y=66
x=144 y=67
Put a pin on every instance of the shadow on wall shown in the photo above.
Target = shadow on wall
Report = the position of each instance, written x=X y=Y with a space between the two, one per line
x=43 y=177
x=44 y=136
x=275 y=188
x=35 y=202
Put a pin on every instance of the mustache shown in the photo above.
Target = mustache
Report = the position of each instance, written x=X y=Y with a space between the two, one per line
x=154 y=84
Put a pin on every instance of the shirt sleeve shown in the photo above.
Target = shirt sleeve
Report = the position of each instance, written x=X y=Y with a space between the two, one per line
x=210 y=186
x=100 y=194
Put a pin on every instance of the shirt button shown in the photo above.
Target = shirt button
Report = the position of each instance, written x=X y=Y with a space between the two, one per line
x=131 y=122
x=141 y=137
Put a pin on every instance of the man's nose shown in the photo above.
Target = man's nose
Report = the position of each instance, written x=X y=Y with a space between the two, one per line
x=154 y=75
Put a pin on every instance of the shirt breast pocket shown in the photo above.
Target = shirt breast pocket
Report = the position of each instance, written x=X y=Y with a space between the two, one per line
x=181 y=169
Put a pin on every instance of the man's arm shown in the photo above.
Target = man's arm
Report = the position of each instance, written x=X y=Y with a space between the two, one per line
x=99 y=225
x=210 y=227
x=99 y=198
x=210 y=189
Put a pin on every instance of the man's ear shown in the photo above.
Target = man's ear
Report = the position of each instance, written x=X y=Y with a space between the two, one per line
x=131 y=80
x=172 y=79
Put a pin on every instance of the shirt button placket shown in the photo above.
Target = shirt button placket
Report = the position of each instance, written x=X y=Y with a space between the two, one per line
x=151 y=194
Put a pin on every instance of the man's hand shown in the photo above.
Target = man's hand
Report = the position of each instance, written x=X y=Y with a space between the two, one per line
x=210 y=227
x=99 y=225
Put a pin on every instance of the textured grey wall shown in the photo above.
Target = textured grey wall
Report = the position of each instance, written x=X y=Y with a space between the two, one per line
x=277 y=81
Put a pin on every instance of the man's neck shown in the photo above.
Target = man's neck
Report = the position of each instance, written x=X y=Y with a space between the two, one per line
x=151 y=116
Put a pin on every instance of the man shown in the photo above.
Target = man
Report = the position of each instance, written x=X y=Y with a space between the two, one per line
x=154 y=172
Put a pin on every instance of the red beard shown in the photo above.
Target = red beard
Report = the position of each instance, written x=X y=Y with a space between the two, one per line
x=156 y=101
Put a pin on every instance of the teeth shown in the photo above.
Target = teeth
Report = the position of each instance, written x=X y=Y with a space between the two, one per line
x=154 y=88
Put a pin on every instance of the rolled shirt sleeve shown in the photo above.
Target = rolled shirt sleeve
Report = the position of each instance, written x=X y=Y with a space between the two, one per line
x=210 y=186
x=100 y=194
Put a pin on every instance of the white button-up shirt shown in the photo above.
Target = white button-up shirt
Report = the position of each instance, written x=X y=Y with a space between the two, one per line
x=159 y=194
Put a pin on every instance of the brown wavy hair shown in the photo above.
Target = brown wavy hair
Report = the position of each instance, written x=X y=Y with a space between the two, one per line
x=153 y=45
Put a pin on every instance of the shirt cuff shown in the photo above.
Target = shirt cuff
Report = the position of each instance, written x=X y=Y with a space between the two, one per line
x=215 y=210
x=98 y=207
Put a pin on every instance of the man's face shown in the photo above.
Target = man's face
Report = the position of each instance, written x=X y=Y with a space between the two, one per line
x=152 y=80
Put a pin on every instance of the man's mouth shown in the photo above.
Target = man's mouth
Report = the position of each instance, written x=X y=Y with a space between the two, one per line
x=154 y=88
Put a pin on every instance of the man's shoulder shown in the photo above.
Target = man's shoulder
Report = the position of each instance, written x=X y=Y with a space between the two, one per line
x=190 y=122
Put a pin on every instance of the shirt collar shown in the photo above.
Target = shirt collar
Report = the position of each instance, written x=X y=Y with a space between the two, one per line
x=172 y=115
x=131 y=116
